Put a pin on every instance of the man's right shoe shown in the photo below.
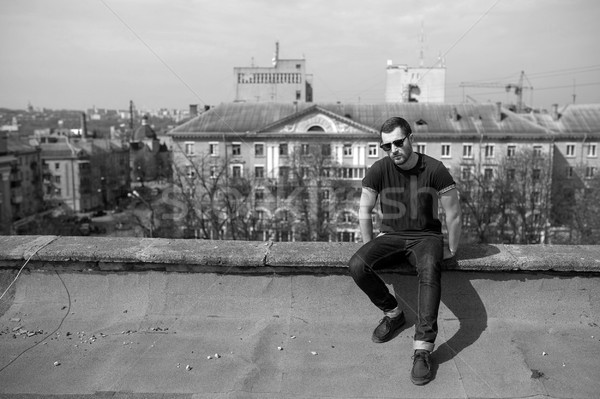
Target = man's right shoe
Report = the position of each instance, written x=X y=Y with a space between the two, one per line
x=387 y=327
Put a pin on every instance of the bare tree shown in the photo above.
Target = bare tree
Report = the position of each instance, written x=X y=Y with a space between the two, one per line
x=509 y=202
x=311 y=187
x=479 y=204
x=576 y=205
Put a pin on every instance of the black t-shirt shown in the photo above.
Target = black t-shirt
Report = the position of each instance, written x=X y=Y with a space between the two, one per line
x=409 y=198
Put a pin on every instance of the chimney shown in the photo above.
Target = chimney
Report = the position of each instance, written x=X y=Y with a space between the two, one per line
x=554 y=113
x=499 y=111
x=83 y=125
x=455 y=116
x=193 y=110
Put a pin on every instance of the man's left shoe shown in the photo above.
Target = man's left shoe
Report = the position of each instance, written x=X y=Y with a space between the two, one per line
x=421 y=371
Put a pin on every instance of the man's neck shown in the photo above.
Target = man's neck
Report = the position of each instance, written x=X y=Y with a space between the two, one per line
x=410 y=163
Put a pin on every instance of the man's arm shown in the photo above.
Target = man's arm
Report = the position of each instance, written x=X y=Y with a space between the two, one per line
x=368 y=198
x=451 y=206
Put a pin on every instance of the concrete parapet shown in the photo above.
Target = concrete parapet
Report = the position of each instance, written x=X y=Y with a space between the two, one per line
x=145 y=254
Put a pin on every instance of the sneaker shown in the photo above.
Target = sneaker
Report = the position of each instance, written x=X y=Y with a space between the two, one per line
x=387 y=327
x=421 y=370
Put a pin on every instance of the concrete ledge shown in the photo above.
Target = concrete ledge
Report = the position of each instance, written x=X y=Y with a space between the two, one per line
x=145 y=254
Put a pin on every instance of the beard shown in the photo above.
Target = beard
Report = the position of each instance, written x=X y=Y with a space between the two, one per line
x=400 y=158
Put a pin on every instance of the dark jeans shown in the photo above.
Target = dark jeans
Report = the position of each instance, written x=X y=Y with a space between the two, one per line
x=390 y=250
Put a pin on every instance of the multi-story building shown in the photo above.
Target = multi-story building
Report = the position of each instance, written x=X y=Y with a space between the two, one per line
x=285 y=81
x=415 y=84
x=83 y=174
x=21 y=185
x=6 y=161
x=263 y=140
x=26 y=178
x=150 y=159
x=575 y=131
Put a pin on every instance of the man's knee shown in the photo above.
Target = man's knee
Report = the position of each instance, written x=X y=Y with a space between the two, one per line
x=356 y=266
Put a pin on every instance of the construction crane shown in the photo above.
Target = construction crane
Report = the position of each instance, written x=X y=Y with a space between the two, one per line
x=518 y=88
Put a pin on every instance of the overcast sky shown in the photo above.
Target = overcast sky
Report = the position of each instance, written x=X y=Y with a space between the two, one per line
x=76 y=54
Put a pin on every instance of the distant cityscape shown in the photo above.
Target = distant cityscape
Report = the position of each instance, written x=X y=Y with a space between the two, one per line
x=274 y=165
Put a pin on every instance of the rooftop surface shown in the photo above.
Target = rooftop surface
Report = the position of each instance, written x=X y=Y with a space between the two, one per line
x=71 y=328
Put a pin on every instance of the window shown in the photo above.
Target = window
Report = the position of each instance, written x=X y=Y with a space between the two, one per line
x=346 y=217
x=467 y=150
x=213 y=149
x=213 y=172
x=420 y=148
x=466 y=173
x=536 y=174
x=298 y=95
x=57 y=179
x=569 y=171
x=372 y=150
x=511 y=150
x=304 y=149
x=259 y=195
x=326 y=150
x=260 y=215
x=570 y=150
x=259 y=172
x=303 y=172
x=345 y=236
x=284 y=173
x=189 y=148
x=590 y=171
x=58 y=192
x=445 y=150
x=535 y=196
x=591 y=152
x=325 y=195
x=537 y=151
x=488 y=173
x=57 y=165
x=351 y=173
x=489 y=150
x=190 y=172
x=236 y=149
x=347 y=150
x=236 y=171
x=283 y=149
x=259 y=150
x=510 y=174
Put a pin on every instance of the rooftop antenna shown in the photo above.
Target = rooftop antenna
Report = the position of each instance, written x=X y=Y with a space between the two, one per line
x=421 y=51
x=574 y=93
x=276 y=56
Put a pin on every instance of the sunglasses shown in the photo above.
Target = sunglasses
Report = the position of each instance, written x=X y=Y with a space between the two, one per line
x=397 y=143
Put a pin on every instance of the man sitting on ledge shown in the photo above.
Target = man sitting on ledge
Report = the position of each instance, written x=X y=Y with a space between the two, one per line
x=409 y=185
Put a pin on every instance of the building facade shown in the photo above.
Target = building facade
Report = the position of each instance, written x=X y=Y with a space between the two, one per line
x=415 y=84
x=285 y=81
x=84 y=174
x=273 y=141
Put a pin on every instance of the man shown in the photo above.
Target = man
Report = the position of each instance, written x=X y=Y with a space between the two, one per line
x=409 y=186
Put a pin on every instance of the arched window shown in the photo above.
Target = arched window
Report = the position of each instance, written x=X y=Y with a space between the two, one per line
x=316 y=128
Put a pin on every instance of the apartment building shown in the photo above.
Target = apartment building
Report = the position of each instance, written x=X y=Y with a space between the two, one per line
x=6 y=161
x=83 y=174
x=21 y=186
x=255 y=139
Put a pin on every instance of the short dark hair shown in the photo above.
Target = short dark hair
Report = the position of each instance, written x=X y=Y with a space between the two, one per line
x=394 y=122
